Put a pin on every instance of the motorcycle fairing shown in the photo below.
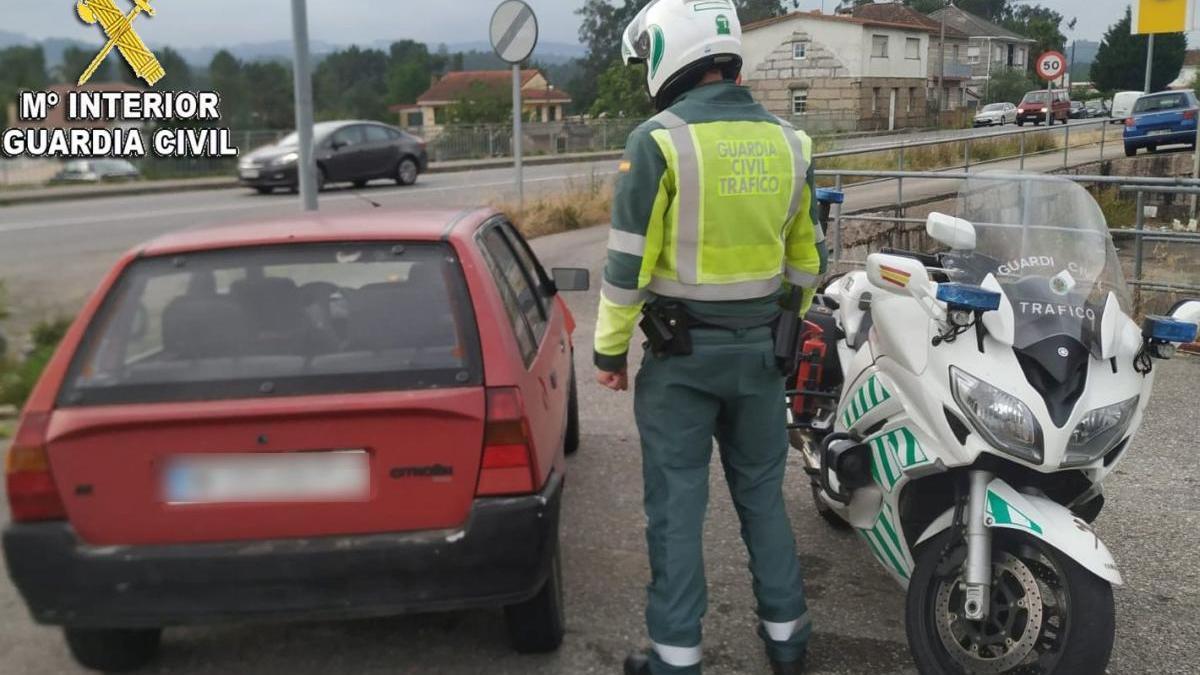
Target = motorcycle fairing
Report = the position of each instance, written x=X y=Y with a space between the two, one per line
x=1045 y=519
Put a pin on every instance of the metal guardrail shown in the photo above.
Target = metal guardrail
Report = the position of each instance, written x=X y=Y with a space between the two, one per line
x=1140 y=185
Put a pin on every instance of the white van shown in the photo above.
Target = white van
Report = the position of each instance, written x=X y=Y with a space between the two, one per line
x=1122 y=105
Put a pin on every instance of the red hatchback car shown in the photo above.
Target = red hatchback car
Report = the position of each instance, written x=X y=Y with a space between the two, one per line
x=310 y=418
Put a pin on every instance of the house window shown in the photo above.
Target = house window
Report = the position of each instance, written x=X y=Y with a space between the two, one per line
x=414 y=119
x=879 y=46
x=912 y=98
x=1021 y=56
x=875 y=100
x=956 y=53
x=912 y=48
x=799 y=101
x=999 y=55
x=799 y=50
x=972 y=55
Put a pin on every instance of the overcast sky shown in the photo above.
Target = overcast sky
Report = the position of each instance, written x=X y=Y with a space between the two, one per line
x=196 y=23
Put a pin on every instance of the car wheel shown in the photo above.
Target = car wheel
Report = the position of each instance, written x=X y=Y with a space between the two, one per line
x=407 y=171
x=571 y=444
x=113 y=650
x=536 y=626
x=322 y=179
x=1020 y=123
x=1130 y=152
x=360 y=184
x=1152 y=149
x=264 y=190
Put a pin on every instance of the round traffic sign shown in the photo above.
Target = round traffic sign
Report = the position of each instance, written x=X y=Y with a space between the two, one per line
x=1051 y=65
x=514 y=31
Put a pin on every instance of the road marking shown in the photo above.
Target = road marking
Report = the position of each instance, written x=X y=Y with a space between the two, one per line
x=162 y=213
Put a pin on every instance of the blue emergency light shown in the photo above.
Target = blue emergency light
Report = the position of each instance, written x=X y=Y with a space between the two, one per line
x=827 y=196
x=968 y=297
x=1166 y=329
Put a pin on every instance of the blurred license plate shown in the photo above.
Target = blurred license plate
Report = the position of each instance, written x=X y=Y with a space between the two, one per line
x=302 y=476
x=1160 y=132
x=250 y=173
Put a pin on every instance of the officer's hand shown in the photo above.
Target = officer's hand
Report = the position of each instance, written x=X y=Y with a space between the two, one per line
x=615 y=381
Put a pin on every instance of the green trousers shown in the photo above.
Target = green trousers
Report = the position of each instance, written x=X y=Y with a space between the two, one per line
x=730 y=389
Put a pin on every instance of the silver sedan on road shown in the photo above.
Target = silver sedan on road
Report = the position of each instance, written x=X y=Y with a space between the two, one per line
x=997 y=114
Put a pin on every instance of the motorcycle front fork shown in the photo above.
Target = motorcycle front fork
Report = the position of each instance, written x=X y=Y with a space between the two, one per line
x=977 y=575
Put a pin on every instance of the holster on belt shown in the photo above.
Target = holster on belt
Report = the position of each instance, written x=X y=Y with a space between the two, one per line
x=667 y=328
x=787 y=333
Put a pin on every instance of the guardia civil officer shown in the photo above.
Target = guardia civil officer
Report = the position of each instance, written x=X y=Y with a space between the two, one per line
x=714 y=224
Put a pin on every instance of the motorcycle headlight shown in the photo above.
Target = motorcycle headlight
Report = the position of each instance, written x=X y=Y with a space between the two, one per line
x=289 y=158
x=1002 y=419
x=1098 y=432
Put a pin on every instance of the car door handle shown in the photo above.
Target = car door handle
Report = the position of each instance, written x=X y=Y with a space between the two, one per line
x=562 y=346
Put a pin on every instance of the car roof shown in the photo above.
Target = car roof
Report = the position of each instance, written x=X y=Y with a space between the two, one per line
x=376 y=225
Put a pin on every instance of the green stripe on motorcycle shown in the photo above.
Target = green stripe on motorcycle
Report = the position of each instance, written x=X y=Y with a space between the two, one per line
x=891 y=558
x=887 y=527
x=1005 y=514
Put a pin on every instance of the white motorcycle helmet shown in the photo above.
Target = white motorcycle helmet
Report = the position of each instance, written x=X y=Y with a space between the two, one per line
x=679 y=41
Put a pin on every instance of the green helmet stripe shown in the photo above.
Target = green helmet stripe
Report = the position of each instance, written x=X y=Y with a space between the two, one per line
x=658 y=48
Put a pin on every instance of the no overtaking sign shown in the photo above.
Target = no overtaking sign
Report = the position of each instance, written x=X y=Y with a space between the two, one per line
x=514 y=31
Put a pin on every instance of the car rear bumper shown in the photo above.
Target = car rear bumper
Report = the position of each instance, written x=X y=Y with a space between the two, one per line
x=502 y=556
x=267 y=177
x=1173 y=138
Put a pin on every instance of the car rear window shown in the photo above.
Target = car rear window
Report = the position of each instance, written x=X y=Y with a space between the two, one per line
x=1158 y=103
x=1034 y=97
x=279 y=321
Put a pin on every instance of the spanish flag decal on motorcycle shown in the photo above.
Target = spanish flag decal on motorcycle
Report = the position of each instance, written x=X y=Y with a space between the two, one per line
x=894 y=276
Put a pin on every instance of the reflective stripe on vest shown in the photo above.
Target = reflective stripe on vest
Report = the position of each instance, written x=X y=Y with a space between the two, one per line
x=799 y=169
x=738 y=290
x=626 y=242
x=688 y=194
x=625 y=297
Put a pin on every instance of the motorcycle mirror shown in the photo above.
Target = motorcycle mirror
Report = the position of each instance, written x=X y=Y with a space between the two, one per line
x=897 y=274
x=956 y=233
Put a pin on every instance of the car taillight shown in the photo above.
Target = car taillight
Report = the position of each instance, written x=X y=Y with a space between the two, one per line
x=32 y=495
x=507 y=466
x=1189 y=114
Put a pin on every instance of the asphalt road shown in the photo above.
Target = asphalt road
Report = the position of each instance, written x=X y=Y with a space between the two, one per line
x=1150 y=524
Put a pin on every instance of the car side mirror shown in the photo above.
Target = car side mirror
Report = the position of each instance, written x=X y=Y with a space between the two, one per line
x=336 y=145
x=571 y=278
x=956 y=233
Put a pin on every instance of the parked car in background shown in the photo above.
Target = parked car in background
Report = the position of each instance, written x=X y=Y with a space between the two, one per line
x=96 y=171
x=1122 y=105
x=1166 y=118
x=346 y=152
x=1078 y=110
x=1096 y=108
x=1036 y=106
x=996 y=114
x=317 y=417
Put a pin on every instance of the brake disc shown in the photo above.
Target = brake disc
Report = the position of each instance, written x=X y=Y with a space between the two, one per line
x=1008 y=635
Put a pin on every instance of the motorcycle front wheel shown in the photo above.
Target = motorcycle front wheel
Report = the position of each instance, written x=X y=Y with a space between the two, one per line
x=1047 y=614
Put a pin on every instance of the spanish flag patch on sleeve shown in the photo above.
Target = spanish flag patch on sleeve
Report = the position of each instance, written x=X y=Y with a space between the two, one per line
x=625 y=166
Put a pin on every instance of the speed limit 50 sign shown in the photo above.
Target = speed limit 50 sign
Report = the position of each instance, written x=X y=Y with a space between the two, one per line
x=1051 y=66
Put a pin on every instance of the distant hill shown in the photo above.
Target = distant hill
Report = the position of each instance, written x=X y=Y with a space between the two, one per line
x=479 y=53
x=1085 y=51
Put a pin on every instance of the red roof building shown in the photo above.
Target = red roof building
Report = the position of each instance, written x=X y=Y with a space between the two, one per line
x=540 y=100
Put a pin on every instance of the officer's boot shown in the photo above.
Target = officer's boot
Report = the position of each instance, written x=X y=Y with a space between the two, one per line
x=783 y=667
x=638 y=663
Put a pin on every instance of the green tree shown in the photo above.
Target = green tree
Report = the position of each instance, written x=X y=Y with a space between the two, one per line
x=352 y=84
x=482 y=105
x=1009 y=85
x=269 y=88
x=409 y=71
x=225 y=77
x=1038 y=23
x=179 y=73
x=1121 y=62
x=622 y=92
x=75 y=60
x=21 y=68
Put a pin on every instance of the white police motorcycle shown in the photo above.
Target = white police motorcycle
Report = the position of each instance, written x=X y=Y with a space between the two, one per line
x=971 y=404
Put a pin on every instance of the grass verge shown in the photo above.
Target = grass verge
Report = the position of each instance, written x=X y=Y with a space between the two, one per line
x=581 y=204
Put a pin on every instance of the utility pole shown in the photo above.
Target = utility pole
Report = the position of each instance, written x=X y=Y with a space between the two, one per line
x=1149 y=61
x=306 y=167
x=941 y=63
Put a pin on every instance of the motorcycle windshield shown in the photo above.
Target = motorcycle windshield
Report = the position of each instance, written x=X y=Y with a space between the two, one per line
x=1046 y=242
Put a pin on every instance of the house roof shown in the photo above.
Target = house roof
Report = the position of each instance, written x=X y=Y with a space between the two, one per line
x=895 y=12
x=455 y=85
x=837 y=18
x=975 y=26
